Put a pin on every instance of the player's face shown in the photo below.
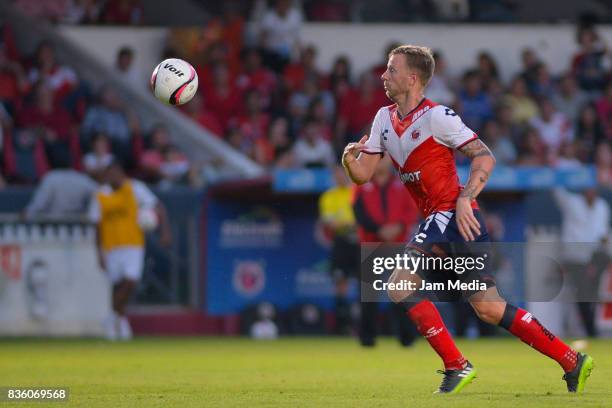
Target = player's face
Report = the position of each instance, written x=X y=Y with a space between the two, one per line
x=398 y=79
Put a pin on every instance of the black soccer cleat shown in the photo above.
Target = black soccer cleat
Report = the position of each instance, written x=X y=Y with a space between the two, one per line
x=576 y=378
x=455 y=380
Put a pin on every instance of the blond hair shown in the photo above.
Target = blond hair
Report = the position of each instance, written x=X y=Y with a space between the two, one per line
x=418 y=58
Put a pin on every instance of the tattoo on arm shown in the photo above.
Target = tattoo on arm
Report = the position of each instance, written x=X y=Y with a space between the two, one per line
x=469 y=192
x=475 y=148
x=478 y=175
x=484 y=175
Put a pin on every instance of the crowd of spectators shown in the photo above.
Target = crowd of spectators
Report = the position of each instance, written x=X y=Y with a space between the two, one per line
x=263 y=92
x=52 y=119
x=276 y=105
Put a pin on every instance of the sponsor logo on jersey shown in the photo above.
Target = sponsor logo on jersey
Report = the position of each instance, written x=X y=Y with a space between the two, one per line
x=411 y=177
x=419 y=113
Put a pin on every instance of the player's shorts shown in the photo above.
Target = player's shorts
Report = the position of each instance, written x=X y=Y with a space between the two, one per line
x=124 y=263
x=438 y=236
x=344 y=258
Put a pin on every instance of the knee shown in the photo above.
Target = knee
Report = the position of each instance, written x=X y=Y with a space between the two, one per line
x=397 y=295
x=489 y=312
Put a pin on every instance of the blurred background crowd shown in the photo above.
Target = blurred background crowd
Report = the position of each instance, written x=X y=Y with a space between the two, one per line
x=263 y=92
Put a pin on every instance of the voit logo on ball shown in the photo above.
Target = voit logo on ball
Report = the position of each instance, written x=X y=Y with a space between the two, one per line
x=249 y=277
x=259 y=228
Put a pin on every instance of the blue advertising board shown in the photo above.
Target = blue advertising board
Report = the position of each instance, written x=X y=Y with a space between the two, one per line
x=503 y=179
x=268 y=251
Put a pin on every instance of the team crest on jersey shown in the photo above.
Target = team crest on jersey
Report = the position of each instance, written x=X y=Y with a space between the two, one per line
x=416 y=134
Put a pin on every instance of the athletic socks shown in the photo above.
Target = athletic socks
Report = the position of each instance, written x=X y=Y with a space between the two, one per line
x=526 y=327
x=429 y=323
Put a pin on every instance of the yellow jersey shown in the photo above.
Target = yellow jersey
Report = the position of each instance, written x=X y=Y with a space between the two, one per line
x=336 y=205
x=116 y=211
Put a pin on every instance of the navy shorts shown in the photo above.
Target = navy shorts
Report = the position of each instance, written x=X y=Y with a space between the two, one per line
x=438 y=237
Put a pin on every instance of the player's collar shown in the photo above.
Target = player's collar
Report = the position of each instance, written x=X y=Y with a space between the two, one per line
x=400 y=117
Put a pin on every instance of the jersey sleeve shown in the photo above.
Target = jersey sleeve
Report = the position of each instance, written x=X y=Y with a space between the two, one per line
x=449 y=129
x=374 y=144
x=144 y=196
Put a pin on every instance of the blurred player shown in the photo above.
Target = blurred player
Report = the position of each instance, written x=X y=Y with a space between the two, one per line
x=420 y=136
x=385 y=212
x=121 y=239
x=336 y=215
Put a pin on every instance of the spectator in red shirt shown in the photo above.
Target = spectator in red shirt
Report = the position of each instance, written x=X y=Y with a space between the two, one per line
x=297 y=73
x=256 y=76
x=214 y=54
x=604 y=110
x=254 y=124
x=53 y=120
x=196 y=110
x=223 y=100
x=13 y=82
x=385 y=213
x=61 y=79
x=124 y=12
x=357 y=109
x=227 y=30
x=328 y=10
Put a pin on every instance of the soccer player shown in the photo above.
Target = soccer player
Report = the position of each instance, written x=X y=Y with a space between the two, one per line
x=420 y=136
x=121 y=239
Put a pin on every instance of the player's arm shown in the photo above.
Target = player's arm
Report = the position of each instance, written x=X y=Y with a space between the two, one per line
x=481 y=168
x=358 y=164
x=482 y=165
x=94 y=215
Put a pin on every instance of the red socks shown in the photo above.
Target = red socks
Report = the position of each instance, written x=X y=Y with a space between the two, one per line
x=527 y=328
x=429 y=323
x=517 y=321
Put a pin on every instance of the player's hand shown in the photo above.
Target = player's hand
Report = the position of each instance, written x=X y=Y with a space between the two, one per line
x=352 y=150
x=469 y=227
x=389 y=232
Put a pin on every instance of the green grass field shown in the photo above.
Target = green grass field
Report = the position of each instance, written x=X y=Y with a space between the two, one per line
x=292 y=372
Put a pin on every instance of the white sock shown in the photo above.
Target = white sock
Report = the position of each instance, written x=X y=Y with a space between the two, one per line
x=111 y=326
x=125 y=330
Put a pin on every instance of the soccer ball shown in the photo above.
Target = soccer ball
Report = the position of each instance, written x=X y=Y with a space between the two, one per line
x=174 y=81
x=147 y=219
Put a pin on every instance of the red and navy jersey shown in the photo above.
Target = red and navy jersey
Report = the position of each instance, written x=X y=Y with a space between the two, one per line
x=421 y=146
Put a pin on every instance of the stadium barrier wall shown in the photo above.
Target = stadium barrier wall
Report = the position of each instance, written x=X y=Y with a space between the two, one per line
x=50 y=280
